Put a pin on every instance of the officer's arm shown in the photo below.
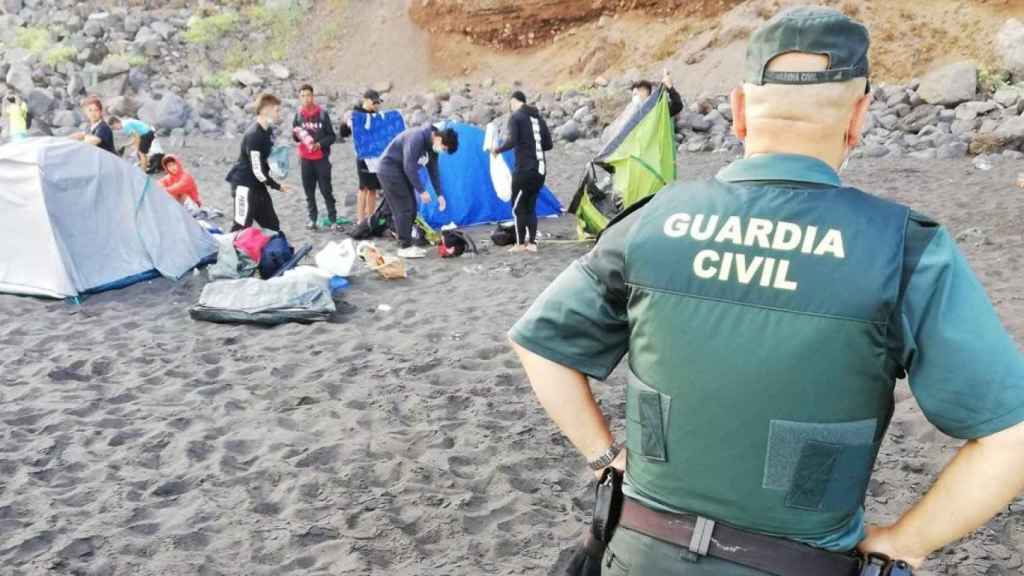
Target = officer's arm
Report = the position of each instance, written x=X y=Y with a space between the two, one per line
x=982 y=480
x=968 y=377
x=579 y=328
x=565 y=395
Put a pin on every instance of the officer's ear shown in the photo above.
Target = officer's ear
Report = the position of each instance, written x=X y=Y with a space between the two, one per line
x=857 y=119
x=738 y=101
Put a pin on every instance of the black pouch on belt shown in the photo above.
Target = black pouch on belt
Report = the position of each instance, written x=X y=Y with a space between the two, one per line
x=586 y=559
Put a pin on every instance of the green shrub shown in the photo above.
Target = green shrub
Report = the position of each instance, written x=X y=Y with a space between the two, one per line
x=990 y=81
x=208 y=29
x=218 y=80
x=59 y=54
x=35 y=40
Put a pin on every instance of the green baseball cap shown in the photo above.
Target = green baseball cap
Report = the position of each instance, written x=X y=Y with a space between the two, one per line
x=810 y=30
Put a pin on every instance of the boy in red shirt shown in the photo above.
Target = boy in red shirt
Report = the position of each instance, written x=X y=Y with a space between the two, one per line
x=313 y=131
x=178 y=182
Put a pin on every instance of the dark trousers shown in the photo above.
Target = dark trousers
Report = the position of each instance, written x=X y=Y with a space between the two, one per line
x=253 y=205
x=401 y=197
x=525 y=191
x=318 y=172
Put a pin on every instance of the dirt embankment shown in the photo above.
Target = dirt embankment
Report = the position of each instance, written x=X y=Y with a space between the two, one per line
x=555 y=43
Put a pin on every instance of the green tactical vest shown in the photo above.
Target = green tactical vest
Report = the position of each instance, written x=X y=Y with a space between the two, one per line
x=761 y=379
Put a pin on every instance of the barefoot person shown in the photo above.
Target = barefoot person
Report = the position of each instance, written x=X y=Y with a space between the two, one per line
x=369 y=184
x=99 y=134
x=312 y=129
x=250 y=176
x=767 y=314
x=400 y=176
x=529 y=136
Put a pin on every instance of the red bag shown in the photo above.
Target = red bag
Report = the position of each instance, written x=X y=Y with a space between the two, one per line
x=251 y=242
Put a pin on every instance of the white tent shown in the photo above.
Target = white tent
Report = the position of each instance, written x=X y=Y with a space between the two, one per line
x=75 y=219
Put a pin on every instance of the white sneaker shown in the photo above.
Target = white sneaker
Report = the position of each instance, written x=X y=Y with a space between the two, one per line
x=412 y=252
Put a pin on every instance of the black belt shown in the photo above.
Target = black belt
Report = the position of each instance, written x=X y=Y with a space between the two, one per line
x=704 y=537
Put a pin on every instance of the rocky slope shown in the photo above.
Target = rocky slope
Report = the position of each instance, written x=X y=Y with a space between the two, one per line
x=196 y=70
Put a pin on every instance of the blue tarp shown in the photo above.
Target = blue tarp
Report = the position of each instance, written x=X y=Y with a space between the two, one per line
x=469 y=191
x=371 y=133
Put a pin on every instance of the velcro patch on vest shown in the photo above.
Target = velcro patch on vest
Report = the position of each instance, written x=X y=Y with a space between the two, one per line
x=820 y=466
x=647 y=420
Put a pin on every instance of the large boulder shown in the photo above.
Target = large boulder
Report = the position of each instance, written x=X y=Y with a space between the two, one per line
x=950 y=85
x=20 y=78
x=247 y=78
x=1009 y=134
x=122 y=106
x=40 y=102
x=1010 y=46
x=570 y=131
x=167 y=112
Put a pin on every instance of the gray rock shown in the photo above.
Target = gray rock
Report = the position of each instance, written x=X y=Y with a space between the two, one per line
x=570 y=131
x=693 y=121
x=898 y=96
x=582 y=113
x=164 y=29
x=93 y=28
x=725 y=110
x=94 y=53
x=481 y=115
x=1009 y=134
x=947 y=115
x=1007 y=97
x=1009 y=46
x=178 y=138
x=132 y=24
x=919 y=118
x=280 y=71
x=20 y=78
x=122 y=106
x=76 y=86
x=975 y=236
x=145 y=34
x=889 y=121
x=1013 y=154
x=950 y=85
x=875 y=151
x=12 y=6
x=929 y=154
x=65 y=119
x=419 y=117
x=952 y=151
x=40 y=102
x=902 y=110
x=166 y=113
x=961 y=127
x=208 y=126
x=972 y=110
x=247 y=78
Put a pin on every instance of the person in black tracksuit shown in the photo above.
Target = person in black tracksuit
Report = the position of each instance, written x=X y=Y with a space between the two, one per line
x=399 y=174
x=250 y=176
x=315 y=158
x=529 y=136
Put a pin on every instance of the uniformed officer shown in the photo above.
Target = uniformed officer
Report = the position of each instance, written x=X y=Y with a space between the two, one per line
x=768 y=313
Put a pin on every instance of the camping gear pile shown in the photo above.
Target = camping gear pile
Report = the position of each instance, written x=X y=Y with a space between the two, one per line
x=640 y=155
x=252 y=282
x=76 y=220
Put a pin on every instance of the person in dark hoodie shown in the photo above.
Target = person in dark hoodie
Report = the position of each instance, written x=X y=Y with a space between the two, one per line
x=529 y=136
x=643 y=89
x=313 y=131
x=250 y=176
x=399 y=174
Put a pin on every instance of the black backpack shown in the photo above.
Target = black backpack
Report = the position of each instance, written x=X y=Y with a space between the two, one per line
x=455 y=243
x=376 y=226
x=504 y=235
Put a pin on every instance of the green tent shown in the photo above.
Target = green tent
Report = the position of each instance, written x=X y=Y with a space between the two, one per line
x=640 y=154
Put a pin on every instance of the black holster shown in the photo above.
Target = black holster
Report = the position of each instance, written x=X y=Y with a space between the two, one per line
x=877 y=565
x=586 y=558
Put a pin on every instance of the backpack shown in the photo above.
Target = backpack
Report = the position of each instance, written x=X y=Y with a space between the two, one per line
x=276 y=253
x=376 y=225
x=454 y=244
x=504 y=235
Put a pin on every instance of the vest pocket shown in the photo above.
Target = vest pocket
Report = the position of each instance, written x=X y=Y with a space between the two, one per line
x=820 y=467
x=647 y=419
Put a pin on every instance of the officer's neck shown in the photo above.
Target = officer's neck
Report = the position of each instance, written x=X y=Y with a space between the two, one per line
x=778 y=137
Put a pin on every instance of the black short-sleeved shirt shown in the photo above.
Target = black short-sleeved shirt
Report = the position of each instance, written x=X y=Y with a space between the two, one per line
x=102 y=131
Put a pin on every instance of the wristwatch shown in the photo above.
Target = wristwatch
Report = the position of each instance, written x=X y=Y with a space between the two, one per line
x=605 y=459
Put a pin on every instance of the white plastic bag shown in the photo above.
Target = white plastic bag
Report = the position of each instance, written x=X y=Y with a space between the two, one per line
x=337 y=258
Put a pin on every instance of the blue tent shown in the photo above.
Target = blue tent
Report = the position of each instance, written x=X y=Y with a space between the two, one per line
x=469 y=191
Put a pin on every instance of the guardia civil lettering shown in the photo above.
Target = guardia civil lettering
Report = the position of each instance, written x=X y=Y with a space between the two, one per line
x=765 y=271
